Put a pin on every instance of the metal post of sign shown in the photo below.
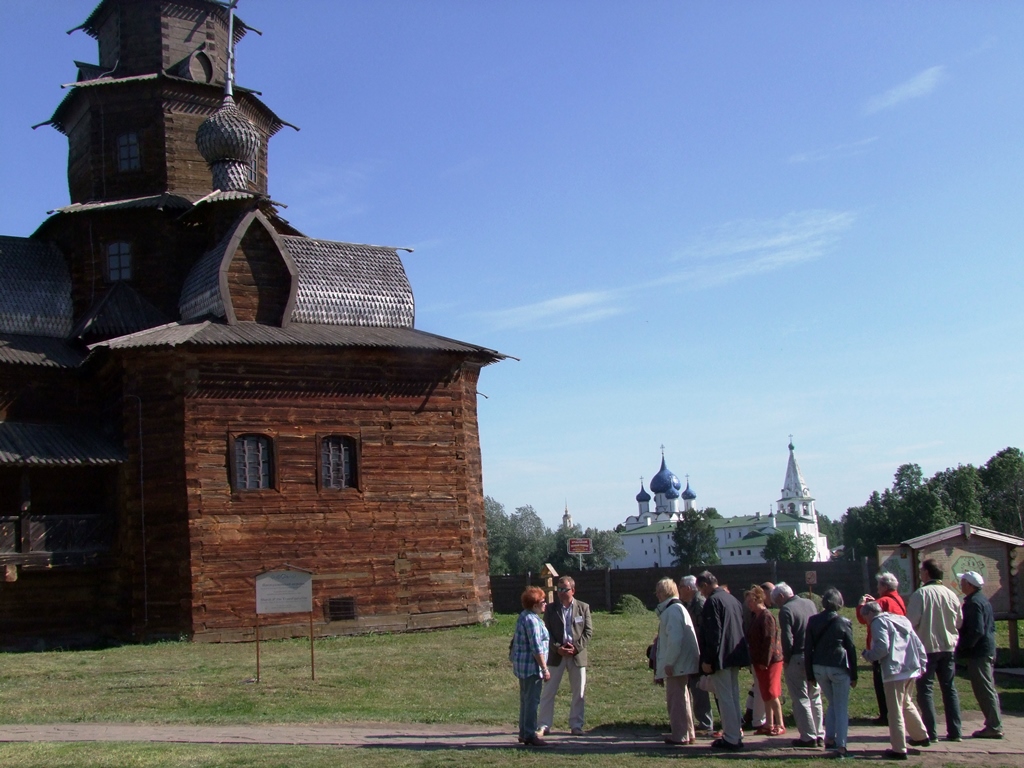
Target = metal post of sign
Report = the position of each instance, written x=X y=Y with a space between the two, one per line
x=312 y=658
x=257 y=647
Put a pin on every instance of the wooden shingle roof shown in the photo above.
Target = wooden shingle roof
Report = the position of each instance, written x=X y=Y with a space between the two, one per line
x=36 y=295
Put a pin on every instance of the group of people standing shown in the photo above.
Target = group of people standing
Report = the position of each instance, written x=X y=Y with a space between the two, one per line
x=914 y=644
x=706 y=636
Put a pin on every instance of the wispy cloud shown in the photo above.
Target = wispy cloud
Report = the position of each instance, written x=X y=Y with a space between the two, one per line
x=742 y=248
x=849 y=149
x=721 y=255
x=918 y=86
x=572 y=309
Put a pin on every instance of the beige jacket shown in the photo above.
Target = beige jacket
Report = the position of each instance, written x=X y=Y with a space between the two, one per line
x=934 y=612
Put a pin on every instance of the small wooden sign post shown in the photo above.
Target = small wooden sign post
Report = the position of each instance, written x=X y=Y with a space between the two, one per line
x=811 y=577
x=549 y=574
x=285 y=591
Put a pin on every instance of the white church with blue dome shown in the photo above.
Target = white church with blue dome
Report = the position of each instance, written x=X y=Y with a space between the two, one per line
x=647 y=535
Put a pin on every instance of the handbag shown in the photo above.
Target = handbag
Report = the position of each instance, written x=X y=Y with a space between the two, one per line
x=652 y=654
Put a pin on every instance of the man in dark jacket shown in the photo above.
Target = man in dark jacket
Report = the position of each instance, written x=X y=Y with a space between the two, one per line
x=977 y=646
x=723 y=652
x=693 y=600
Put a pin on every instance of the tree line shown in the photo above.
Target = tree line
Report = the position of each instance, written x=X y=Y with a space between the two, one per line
x=989 y=496
x=520 y=542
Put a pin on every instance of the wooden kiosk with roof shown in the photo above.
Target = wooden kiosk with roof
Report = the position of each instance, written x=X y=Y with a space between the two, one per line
x=193 y=392
x=965 y=547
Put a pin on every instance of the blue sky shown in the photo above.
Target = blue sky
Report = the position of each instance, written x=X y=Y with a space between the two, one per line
x=706 y=226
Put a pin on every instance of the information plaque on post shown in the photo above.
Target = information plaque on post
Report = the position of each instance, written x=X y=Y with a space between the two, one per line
x=286 y=591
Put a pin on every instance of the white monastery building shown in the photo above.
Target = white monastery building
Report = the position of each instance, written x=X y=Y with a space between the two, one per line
x=647 y=537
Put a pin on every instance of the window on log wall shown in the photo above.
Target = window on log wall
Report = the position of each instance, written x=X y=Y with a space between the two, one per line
x=128 y=156
x=119 y=261
x=338 y=462
x=253 y=461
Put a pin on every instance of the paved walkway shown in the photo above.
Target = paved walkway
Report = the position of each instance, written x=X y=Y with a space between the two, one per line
x=865 y=741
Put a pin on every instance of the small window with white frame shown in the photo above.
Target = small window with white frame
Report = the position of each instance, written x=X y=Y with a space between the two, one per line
x=119 y=261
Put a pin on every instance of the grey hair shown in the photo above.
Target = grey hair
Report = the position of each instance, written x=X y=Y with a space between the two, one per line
x=832 y=600
x=870 y=609
x=888 y=580
x=782 y=590
x=689 y=581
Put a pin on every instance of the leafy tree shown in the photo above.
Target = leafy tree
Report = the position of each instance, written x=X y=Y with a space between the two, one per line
x=710 y=513
x=498 y=532
x=910 y=508
x=608 y=548
x=1003 y=494
x=558 y=555
x=789 y=547
x=960 y=491
x=529 y=541
x=694 y=541
x=832 y=530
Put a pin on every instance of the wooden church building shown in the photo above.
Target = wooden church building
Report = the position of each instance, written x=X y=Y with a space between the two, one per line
x=192 y=392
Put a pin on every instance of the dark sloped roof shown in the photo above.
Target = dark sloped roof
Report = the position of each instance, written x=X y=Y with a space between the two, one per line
x=350 y=284
x=89 y=25
x=38 y=350
x=35 y=299
x=295 y=334
x=242 y=96
x=160 y=202
x=55 y=445
x=121 y=311
x=201 y=293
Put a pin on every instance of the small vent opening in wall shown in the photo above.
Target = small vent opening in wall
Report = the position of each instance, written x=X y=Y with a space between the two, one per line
x=341 y=608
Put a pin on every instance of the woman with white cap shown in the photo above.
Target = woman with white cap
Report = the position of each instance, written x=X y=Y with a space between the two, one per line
x=977 y=646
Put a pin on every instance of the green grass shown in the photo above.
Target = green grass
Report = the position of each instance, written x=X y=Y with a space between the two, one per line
x=204 y=756
x=457 y=675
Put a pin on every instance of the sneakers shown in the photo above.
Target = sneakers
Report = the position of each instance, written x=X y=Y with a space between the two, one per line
x=723 y=744
x=987 y=733
x=954 y=738
x=892 y=754
x=925 y=742
x=577 y=732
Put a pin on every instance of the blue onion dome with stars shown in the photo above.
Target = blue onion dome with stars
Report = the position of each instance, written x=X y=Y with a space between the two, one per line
x=643 y=495
x=666 y=482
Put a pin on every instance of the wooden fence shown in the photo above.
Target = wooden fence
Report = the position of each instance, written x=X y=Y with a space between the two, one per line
x=603 y=588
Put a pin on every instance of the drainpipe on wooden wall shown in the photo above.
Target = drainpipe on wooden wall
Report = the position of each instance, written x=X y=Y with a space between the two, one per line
x=142 y=513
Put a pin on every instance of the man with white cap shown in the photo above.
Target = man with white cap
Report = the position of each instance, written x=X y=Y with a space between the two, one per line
x=977 y=646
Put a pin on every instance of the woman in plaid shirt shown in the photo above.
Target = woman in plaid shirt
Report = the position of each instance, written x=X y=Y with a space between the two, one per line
x=528 y=654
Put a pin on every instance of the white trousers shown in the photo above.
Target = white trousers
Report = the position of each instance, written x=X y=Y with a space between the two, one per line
x=577 y=684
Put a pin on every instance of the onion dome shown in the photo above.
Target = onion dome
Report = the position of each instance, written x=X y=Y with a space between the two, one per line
x=666 y=482
x=688 y=494
x=643 y=495
x=228 y=142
